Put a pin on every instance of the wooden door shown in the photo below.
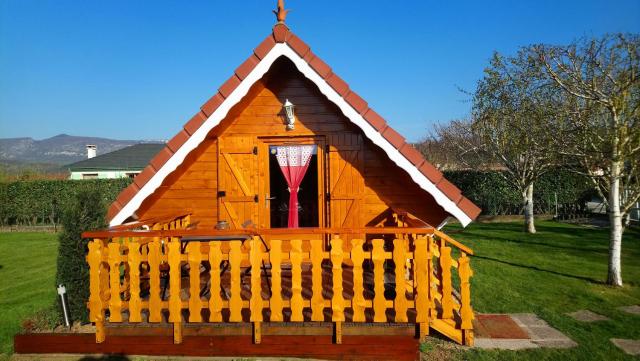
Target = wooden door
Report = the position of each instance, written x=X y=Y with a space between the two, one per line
x=238 y=181
x=346 y=181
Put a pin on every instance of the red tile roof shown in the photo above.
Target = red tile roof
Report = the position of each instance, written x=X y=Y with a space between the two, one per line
x=282 y=34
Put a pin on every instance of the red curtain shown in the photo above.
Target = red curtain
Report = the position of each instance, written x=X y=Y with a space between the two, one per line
x=294 y=161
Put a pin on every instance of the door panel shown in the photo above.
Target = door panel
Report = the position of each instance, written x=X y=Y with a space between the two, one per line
x=237 y=181
x=346 y=182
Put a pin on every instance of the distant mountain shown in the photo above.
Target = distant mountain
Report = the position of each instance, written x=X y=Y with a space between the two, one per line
x=61 y=149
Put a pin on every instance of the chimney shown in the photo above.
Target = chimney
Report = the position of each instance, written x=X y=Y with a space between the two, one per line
x=91 y=151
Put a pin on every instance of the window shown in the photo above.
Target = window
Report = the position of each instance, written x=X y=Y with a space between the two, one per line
x=89 y=175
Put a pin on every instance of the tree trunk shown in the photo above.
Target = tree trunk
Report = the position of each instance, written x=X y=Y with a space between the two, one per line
x=529 y=221
x=614 y=277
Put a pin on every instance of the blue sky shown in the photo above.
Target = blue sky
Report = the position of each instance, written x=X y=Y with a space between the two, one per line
x=140 y=69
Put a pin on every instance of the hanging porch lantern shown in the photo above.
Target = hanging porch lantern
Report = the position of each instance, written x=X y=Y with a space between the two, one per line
x=288 y=109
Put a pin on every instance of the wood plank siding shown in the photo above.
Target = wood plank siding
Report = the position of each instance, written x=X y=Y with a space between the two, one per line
x=360 y=178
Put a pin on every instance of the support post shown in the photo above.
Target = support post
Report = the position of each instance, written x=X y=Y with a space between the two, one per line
x=338 y=332
x=100 y=332
x=257 y=333
x=424 y=330
x=177 y=333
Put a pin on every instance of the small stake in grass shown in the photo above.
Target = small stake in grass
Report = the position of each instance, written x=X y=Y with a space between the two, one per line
x=62 y=291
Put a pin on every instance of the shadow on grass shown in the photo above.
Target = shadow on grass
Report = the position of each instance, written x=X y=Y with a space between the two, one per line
x=582 y=278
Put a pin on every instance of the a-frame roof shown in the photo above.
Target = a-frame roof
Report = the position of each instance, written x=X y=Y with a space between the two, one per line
x=282 y=42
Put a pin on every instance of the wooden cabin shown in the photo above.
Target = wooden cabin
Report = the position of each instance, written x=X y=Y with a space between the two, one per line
x=361 y=244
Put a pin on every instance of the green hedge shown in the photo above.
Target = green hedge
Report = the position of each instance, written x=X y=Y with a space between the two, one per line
x=40 y=202
x=86 y=210
x=491 y=192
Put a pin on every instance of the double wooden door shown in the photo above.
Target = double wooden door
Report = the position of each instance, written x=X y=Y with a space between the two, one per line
x=243 y=180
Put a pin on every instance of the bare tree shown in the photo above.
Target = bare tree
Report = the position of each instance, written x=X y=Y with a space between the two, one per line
x=453 y=145
x=513 y=110
x=601 y=132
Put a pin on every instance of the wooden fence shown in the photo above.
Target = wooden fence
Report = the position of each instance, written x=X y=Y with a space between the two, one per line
x=391 y=274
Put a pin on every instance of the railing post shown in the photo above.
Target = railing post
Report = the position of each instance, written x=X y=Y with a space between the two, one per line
x=215 y=301
x=400 y=260
x=115 y=302
x=96 y=311
x=379 y=302
x=155 y=307
x=255 y=303
x=421 y=285
x=194 y=257
x=337 y=302
x=466 y=313
x=447 y=296
x=235 y=301
x=358 y=303
x=175 y=303
x=296 y=281
x=431 y=274
x=134 y=281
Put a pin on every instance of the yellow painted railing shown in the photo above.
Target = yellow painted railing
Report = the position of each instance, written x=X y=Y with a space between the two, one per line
x=131 y=271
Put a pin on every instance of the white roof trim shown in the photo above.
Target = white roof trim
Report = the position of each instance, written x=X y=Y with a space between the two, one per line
x=282 y=49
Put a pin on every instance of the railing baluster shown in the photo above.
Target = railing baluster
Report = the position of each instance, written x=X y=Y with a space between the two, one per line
x=447 y=297
x=215 y=300
x=255 y=303
x=358 y=303
x=275 y=256
x=337 y=302
x=379 y=303
x=296 y=281
x=235 y=303
x=96 y=311
x=431 y=245
x=400 y=260
x=195 y=304
x=422 y=285
x=175 y=303
x=155 y=308
x=466 y=313
x=115 y=302
x=317 y=301
x=134 y=281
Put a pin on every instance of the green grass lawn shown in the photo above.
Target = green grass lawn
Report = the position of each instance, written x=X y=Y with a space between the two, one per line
x=558 y=270
x=27 y=275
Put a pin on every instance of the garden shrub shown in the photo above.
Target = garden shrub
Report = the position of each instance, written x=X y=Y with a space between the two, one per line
x=85 y=212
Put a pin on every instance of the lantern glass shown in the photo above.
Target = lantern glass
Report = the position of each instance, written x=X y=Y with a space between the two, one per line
x=288 y=108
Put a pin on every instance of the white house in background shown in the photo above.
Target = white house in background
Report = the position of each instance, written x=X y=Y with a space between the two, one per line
x=122 y=163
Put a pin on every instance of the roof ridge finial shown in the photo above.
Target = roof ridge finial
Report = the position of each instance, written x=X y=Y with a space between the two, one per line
x=280 y=12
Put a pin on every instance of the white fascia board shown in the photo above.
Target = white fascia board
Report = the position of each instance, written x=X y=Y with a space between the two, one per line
x=282 y=49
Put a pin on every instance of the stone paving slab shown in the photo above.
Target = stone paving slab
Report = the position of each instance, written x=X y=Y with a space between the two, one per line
x=539 y=332
x=527 y=319
x=504 y=344
x=587 y=316
x=630 y=347
x=635 y=309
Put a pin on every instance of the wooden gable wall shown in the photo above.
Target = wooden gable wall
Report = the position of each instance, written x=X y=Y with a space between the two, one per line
x=370 y=175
